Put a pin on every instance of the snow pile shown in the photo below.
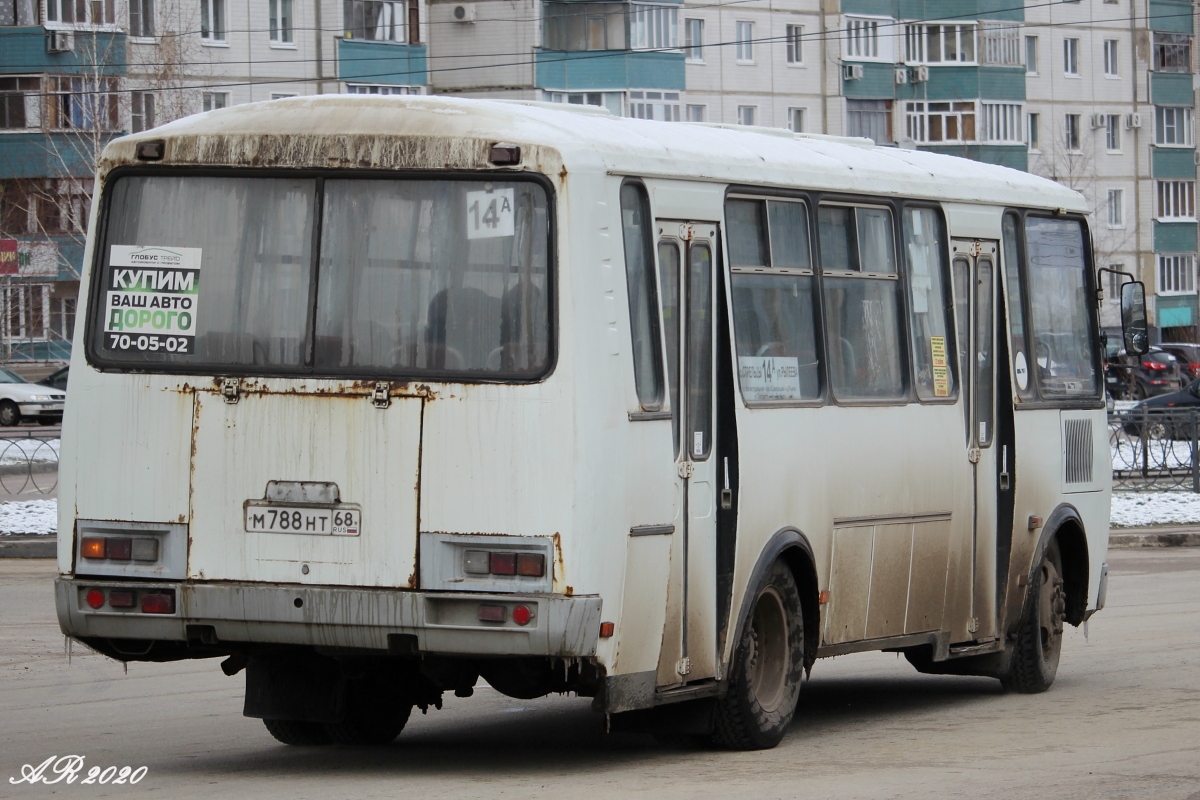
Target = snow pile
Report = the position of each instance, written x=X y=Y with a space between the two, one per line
x=29 y=516
x=20 y=452
x=1136 y=509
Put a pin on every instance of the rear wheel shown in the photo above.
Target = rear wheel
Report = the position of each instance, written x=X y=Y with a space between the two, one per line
x=374 y=715
x=297 y=732
x=1039 y=638
x=764 y=681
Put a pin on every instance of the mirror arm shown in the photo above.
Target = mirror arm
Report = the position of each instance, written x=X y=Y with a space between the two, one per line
x=1100 y=283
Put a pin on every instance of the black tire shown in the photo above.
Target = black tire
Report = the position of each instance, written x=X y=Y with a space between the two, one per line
x=49 y=420
x=297 y=732
x=10 y=415
x=1038 y=645
x=764 y=679
x=374 y=716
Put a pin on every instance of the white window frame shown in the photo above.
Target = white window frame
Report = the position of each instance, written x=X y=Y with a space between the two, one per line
x=696 y=112
x=54 y=16
x=1071 y=57
x=16 y=303
x=1073 y=132
x=1001 y=44
x=794 y=35
x=1031 y=49
x=141 y=20
x=693 y=39
x=1170 y=124
x=1112 y=64
x=389 y=24
x=213 y=19
x=917 y=37
x=1115 y=205
x=863 y=40
x=918 y=116
x=141 y=111
x=281 y=23
x=1175 y=201
x=1033 y=131
x=1112 y=133
x=1176 y=274
x=30 y=88
x=653 y=26
x=213 y=101
x=744 y=46
x=654 y=104
x=747 y=115
x=1002 y=123
x=796 y=113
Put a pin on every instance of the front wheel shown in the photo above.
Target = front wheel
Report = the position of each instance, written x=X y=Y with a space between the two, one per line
x=10 y=415
x=1038 y=646
x=764 y=680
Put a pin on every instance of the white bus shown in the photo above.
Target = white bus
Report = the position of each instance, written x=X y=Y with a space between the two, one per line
x=379 y=396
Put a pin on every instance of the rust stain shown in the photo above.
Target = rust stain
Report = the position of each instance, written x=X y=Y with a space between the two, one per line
x=562 y=173
x=560 y=566
x=570 y=591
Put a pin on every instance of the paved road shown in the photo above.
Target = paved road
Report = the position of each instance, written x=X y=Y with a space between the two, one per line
x=1123 y=721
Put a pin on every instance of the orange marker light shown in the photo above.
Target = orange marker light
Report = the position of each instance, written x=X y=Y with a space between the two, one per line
x=93 y=547
x=607 y=629
x=824 y=596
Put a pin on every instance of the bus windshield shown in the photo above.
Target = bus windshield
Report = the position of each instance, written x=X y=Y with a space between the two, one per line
x=336 y=276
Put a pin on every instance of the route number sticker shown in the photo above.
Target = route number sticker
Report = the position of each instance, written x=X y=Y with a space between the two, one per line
x=490 y=214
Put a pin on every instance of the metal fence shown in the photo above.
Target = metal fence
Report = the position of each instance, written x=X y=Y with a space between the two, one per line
x=1154 y=450
x=29 y=464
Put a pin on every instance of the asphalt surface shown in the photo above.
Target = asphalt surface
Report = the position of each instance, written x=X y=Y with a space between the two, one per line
x=1122 y=721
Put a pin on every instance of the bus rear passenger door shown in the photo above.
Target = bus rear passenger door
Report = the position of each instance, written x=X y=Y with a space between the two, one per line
x=686 y=258
x=974 y=271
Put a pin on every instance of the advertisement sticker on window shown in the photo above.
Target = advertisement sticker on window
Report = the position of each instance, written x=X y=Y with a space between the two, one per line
x=769 y=378
x=151 y=299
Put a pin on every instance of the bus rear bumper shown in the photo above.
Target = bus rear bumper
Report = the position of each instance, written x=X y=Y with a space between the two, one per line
x=331 y=617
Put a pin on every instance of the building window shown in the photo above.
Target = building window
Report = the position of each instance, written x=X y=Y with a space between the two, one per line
x=695 y=113
x=1031 y=55
x=693 y=39
x=62 y=318
x=1112 y=132
x=26 y=312
x=387 y=88
x=653 y=27
x=746 y=114
x=795 y=44
x=745 y=42
x=24 y=13
x=79 y=14
x=870 y=119
x=373 y=20
x=864 y=41
x=212 y=20
x=283 y=95
x=1032 y=133
x=1002 y=122
x=141 y=111
x=1116 y=208
x=1173 y=126
x=211 y=101
x=1071 y=57
x=141 y=18
x=941 y=122
x=1071 y=132
x=796 y=120
x=83 y=103
x=1001 y=44
x=1177 y=274
x=939 y=44
x=1176 y=199
x=662 y=106
x=1111 y=69
x=575 y=27
x=1172 y=52
x=280 y=13
x=20 y=102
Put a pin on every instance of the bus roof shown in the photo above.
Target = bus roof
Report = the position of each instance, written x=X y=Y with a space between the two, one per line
x=308 y=131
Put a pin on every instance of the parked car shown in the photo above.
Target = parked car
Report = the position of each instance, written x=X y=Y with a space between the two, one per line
x=1157 y=372
x=58 y=379
x=20 y=399
x=1167 y=416
x=1188 y=355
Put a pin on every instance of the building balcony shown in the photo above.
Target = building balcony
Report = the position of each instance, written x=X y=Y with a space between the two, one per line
x=364 y=61
x=26 y=51
x=608 y=69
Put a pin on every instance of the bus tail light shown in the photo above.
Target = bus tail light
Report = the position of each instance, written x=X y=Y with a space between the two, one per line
x=504 y=563
x=120 y=548
x=484 y=562
x=532 y=565
x=121 y=599
x=93 y=547
x=492 y=613
x=95 y=598
x=522 y=615
x=162 y=602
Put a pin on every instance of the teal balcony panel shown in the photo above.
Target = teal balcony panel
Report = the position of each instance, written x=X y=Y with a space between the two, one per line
x=608 y=69
x=383 y=62
x=1174 y=237
x=1170 y=15
x=1171 y=89
x=1173 y=311
x=1173 y=163
x=966 y=83
x=49 y=155
x=1014 y=156
x=1001 y=10
x=1002 y=83
x=872 y=8
x=877 y=83
x=24 y=52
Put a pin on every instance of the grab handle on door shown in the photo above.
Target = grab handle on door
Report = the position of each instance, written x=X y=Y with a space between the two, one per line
x=1004 y=479
x=726 y=493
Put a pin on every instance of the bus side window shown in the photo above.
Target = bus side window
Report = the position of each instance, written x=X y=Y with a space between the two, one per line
x=773 y=305
x=638 y=228
x=1016 y=309
x=924 y=249
x=862 y=303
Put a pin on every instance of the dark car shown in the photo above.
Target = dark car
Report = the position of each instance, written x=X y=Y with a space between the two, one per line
x=1188 y=355
x=57 y=379
x=1167 y=416
x=1157 y=372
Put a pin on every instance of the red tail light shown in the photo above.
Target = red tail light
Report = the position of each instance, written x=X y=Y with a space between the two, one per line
x=158 y=602
x=522 y=615
x=120 y=548
x=492 y=613
x=1154 y=365
x=95 y=598
x=532 y=565
x=504 y=563
x=121 y=599
x=1194 y=367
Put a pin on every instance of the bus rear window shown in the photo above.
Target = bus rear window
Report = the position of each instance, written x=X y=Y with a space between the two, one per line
x=410 y=277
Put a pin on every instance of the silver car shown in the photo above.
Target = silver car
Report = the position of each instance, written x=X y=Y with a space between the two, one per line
x=20 y=399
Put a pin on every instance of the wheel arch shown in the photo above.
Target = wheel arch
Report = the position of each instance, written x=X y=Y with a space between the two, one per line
x=1066 y=526
x=792 y=547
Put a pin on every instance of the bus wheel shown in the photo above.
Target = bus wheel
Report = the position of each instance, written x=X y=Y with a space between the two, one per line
x=1039 y=638
x=764 y=680
x=374 y=715
x=297 y=732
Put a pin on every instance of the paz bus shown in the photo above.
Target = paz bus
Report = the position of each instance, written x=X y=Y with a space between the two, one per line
x=377 y=397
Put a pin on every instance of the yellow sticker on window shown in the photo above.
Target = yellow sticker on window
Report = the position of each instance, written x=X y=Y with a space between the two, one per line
x=941 y=381
x=937 y=349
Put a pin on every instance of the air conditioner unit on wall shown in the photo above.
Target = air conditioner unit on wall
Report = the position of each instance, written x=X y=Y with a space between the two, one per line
x=852 y=72
x=1133 y=120
x=1099 y=120
x=920 y=74
x=59 y=42
x=901 y=76
x=464 y=12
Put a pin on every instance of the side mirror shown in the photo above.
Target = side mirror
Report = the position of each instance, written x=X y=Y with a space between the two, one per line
x=1133 y=318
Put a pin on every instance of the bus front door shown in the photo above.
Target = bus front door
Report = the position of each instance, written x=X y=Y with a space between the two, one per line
x=686 y=274
x=974 y=268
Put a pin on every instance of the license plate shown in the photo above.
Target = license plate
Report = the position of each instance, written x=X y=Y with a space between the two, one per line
x=340 y=520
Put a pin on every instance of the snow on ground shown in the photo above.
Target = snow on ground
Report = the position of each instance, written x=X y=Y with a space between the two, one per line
x=23 y=451
x=29 y=516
